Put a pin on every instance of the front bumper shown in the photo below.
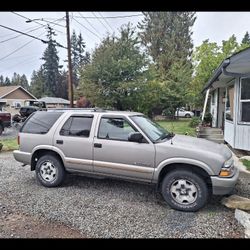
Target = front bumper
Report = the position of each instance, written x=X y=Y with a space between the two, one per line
x=23 y=157
x=222 y=186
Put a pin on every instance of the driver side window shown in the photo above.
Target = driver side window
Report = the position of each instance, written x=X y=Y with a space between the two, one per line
x=114 y=129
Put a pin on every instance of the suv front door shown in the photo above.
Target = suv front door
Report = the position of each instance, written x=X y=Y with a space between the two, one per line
x=115 y=155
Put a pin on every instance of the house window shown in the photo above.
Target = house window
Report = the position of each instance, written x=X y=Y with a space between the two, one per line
x=245 y=100
x=17 y=104
x=230 y=103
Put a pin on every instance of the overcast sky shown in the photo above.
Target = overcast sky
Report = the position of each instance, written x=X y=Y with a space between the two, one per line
x=21 y=54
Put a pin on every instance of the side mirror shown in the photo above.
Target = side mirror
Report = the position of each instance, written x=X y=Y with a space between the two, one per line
x=135 y=137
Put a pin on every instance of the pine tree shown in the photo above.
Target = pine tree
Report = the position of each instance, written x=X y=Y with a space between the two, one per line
x=37 y=83
x=7 y=81
x=79 y=57
x=24 y=82
x=1 y=80
x=246 y=39
x=51 y=66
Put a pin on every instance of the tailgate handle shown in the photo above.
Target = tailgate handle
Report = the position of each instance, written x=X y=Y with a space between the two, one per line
x=97 y=145
x=59 y=141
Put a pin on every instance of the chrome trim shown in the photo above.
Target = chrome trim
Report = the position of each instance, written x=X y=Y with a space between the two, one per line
x=121 y=166
x=78 y=161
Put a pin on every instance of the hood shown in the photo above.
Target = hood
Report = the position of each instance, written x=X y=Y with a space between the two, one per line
x=212 y=154
x=201 y=144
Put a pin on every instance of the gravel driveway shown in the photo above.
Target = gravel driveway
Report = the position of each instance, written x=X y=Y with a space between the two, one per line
x=111 y=208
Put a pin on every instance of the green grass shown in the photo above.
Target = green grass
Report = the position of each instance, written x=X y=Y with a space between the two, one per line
x=246 y=163
x=180 y=126
x=9 y=144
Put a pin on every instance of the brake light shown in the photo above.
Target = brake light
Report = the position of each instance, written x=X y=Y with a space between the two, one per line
x=18 y=139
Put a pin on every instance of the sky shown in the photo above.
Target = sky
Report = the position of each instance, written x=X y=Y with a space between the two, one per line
x=22 y=54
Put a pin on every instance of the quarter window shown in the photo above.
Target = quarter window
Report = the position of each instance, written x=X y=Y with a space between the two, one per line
x=77 y=126
x=115 y=129
x=245 y=100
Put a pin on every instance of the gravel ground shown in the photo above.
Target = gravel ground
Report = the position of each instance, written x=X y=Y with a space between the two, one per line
x=103 y=208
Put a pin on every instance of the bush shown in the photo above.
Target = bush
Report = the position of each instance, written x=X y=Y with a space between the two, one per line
x=208 y=118
x=194 y=122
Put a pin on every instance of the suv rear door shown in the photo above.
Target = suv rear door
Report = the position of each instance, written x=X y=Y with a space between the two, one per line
x=75 y=139
x=115 y=155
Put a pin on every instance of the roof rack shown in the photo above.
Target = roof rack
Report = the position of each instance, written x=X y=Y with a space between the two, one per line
x=78 y=109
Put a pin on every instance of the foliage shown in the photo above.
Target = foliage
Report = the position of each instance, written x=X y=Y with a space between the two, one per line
x=15 y=80
x=110 y=79
x=246 y=39
x=9 y=144
x=246 y=163
x=194 y=122
x=208 y=118
x=51 y=66
x=79 y=57
x=206 y=58
x=167 y=38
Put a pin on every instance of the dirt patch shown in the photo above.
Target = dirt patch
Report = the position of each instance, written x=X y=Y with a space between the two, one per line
x=19 y=225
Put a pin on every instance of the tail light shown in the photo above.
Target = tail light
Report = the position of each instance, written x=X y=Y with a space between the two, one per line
x=18 y=139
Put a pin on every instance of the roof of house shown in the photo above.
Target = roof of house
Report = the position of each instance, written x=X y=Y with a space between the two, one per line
x=54 y=100
x=5 y=90
x=237 y=63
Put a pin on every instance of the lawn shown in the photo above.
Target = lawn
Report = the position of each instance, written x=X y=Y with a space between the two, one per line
x=246 y=163
x=9 y=144
x=180 y=126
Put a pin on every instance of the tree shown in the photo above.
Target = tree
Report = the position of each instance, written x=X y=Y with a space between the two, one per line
x=206 y=58
x=7 y=81
x=24 y=82
x=246 y=39
x=167 y=38
x=37 y=83
x=20 y=80
x=116 y=66
x=51 y=66
x=79 y=57
x=1 y=80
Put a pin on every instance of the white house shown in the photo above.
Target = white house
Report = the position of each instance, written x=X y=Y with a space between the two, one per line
x=229 y=102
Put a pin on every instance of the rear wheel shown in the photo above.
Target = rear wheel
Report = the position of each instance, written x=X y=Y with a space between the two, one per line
x=187 y=115
x=184 y=190
x=50 y=171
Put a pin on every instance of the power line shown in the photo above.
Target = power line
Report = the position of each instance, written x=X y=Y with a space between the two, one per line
x=33 y=21
x=90 y=24
x=91 y=17
x=106 y=21
x=101 y=22
x=23 y=33
x=87 y=29
x=6 y=40
x=42 y=19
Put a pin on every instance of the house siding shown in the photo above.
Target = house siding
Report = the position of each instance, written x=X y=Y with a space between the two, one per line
x=18 y=94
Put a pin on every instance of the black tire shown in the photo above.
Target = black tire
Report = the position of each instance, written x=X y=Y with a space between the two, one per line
x=187 y=115
x=55 y=170
x=1 y=129
x=198 y=198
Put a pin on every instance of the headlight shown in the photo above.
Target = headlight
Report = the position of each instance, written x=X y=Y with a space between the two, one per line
x=228 y=168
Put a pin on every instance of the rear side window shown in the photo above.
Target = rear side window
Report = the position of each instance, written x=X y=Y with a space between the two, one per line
x=40 y=122
x=77 y=126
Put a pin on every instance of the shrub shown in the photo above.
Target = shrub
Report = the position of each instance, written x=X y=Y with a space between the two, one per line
x=194 y=122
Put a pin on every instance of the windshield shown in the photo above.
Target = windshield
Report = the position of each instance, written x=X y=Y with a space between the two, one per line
x=153 y=130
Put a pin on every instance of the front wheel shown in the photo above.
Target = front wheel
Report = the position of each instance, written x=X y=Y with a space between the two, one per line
x=50 y=171
x=188 y=116
x=184 y=190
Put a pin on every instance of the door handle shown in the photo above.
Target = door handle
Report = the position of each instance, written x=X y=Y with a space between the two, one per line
x=97 y=145
x=59 y=141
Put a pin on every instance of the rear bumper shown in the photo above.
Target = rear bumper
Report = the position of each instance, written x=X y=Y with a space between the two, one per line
x=222 y=186
x=23 y=157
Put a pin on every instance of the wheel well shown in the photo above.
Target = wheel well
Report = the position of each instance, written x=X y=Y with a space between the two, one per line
x=181 y=166
x=41 y=152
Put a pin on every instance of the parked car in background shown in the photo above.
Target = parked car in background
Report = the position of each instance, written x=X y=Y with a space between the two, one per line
x=181 y=112
x=129 y=146
x=5 y=120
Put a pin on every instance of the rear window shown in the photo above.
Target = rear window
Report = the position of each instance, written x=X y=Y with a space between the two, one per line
x=40 y=122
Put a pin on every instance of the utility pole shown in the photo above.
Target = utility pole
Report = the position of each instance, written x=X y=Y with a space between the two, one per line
x=70 y=78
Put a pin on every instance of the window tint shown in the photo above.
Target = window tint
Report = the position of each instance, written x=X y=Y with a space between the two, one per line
x=40 y=122
x=114 y=129
x=77 y=126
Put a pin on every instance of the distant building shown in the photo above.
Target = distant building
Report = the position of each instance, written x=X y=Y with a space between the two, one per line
x=13 y=97
x=55 y=102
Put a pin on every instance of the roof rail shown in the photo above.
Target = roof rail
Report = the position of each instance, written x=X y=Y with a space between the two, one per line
x=78 y=109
